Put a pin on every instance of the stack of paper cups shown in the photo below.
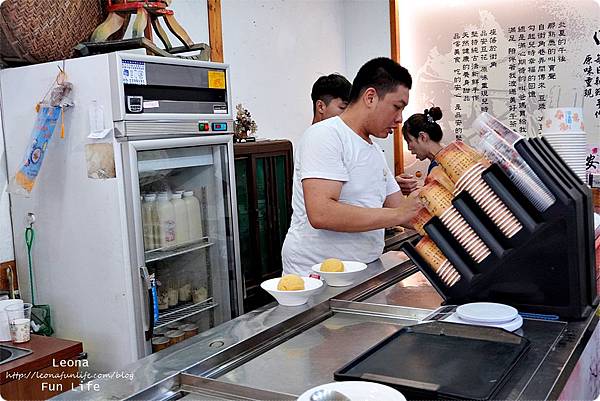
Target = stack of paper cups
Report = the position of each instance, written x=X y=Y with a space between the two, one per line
x=438 y=200
x=519 y=172
x=492 y=205
x=4 y=329
x=438 y=262
x=486 y=122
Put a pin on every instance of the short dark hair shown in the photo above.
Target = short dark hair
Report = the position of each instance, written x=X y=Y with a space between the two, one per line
x=329 y=87
x=383 y=74
x=424 y=122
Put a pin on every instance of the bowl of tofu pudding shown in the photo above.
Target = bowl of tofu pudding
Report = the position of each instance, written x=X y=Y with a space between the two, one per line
x=292 y=290
x=339 y=273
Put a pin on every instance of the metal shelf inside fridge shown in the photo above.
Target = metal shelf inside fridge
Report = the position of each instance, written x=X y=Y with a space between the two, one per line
x=145 y=166
x=183 y=311
x=165 y=253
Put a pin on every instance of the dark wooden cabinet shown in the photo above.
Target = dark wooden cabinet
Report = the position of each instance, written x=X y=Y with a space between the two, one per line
x=264 y=171
x=52 y=368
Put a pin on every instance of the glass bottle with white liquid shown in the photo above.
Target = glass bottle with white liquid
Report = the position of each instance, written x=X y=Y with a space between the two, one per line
x=182 y=234
x=166 y=221
x=147 y=221
x=194 y=215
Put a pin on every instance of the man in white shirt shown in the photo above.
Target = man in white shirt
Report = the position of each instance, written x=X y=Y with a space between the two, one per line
x=329 y=96
x=344 y=193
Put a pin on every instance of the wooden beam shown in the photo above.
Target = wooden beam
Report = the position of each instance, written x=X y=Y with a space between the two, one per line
x=395 y=55
x=215 y=31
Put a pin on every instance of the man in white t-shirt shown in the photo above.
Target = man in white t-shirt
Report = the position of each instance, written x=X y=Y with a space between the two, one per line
x=329 y=96
x=344 y=193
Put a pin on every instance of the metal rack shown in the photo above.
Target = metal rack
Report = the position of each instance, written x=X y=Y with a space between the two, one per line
x=165 y=253
x=182 y=311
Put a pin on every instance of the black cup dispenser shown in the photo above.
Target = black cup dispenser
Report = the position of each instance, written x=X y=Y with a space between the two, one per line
x=548 y=267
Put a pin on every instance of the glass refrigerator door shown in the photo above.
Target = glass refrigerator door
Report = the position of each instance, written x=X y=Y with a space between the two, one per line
x=187 y=226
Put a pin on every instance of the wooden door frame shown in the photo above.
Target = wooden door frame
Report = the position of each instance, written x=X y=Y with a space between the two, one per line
x=215 y=30
x=395 y=55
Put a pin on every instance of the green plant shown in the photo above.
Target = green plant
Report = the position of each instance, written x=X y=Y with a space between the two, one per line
x=244 y=124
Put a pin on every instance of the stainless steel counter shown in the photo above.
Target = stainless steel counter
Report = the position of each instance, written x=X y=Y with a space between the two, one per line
x=279 y=352
x=308 y=359
x=236 y=336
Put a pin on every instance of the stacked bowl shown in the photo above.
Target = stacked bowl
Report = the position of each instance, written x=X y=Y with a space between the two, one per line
x=563 y=128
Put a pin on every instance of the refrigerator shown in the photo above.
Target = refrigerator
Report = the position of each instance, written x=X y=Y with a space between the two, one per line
x=141 y=128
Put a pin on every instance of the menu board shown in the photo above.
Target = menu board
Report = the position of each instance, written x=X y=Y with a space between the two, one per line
x=510 y=58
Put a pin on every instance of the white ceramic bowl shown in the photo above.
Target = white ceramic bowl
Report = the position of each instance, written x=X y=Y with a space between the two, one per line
x=292 y=298
x=357 y=390
x=341 y=279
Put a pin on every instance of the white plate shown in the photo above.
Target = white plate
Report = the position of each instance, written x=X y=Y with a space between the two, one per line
x=487 y=312
x=512 y=325
x=358 y=391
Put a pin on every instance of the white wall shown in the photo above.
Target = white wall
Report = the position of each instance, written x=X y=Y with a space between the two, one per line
x=367 y=25
x=276 y=50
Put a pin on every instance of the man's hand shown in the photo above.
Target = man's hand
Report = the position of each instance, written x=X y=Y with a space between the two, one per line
x=407 y=182
x=407 y=208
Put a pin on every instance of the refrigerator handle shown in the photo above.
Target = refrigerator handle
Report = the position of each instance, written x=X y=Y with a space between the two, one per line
x=148 y=286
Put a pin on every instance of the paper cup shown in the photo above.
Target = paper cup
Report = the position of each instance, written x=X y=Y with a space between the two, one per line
x=438 y=262
x=420 y=219
x=451 y=276
x=19 y=322
x=436 y=198
x=431 y=253
x=437 y=173
x=4 y=328
x=455 y=161
x=493 y=206
x=476 y=155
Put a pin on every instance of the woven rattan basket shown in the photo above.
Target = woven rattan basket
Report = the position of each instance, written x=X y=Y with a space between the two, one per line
x=35 y=31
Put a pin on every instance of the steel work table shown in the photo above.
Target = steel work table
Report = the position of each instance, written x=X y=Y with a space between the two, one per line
x=302 y=346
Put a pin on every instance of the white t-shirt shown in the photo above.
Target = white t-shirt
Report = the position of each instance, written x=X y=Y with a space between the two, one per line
x=332 y=150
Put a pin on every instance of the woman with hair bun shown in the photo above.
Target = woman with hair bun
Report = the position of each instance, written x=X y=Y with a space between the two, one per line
x=423 y=135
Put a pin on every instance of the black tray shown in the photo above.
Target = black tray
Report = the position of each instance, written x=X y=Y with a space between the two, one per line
x=440 y=360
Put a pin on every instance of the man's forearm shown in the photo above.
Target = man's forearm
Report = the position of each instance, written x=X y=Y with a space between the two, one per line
x=337 y=216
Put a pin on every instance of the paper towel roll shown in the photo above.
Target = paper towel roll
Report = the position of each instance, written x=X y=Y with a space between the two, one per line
x=4 y=329
x=563 y=119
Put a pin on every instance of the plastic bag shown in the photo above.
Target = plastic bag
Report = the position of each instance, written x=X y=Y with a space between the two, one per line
x=23 y=181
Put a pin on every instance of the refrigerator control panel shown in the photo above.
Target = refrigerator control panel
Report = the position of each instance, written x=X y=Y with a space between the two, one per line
x=217 y=127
